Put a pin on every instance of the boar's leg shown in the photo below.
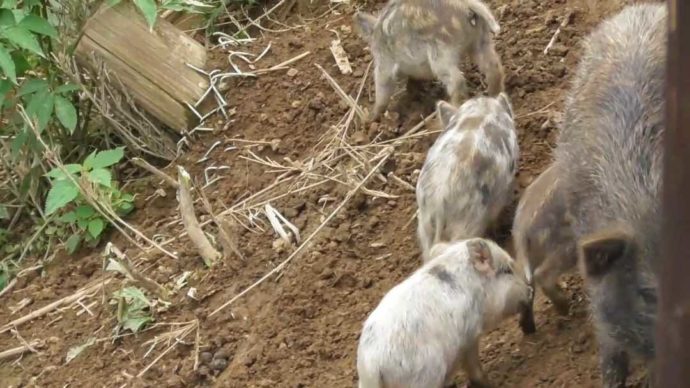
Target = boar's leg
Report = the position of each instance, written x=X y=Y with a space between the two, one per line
x=614 y=363
x=527 y=317
x=384 y=76
x=473 y=367
x=489 y=63
x=546 y=276
x=445 y=68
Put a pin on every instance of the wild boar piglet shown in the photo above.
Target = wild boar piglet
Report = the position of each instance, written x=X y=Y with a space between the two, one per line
x=425 y=40
x=428 y=327
x=468 y=176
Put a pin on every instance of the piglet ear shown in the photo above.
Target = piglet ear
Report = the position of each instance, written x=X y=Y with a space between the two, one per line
x=445 y=112
x=364 y=24
x=480 y=256
x=602 y=250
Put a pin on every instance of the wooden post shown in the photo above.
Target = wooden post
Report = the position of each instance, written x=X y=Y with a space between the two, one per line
x=152 y=65
x=673 y=324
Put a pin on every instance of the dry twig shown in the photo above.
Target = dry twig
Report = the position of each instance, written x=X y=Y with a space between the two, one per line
x=53 y=306
x=207 y=252
x=146 y=166
x=9 y=353
x=388 y=152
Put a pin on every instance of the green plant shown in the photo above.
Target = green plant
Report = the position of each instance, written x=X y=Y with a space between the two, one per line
x=134 y=309
x=150 y=8
x=95 y=177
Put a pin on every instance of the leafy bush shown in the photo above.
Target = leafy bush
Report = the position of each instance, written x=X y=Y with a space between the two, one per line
x=95 y=178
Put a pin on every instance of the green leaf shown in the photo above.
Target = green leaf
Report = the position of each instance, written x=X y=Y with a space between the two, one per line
x=104 y=158
x=82 y=223
x=23 y=38
x=72 y=243
x=62 y=193
x=5 y=86
x=21 y=64
x=125 y=208
x=18 y=142
x=66 y=113
x=68 y=218
x=113 y=3
x=4 y=214
x=96 y=227
x=67 y=88
x=135 y=324
x=84 y=212
x=32 y=86
x=9 y=4
x=133 y=295
x=149 y=9
x=57 y=173
x=101 y=176
x=40 y=108
x=7 y=18
x=7 y=65
x=89 y=160
x=38 y=25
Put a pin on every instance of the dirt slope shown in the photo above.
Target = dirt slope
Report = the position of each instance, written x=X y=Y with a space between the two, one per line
x=301 y=329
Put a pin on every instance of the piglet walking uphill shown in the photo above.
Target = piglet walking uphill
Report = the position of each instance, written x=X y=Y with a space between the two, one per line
x=427 y=40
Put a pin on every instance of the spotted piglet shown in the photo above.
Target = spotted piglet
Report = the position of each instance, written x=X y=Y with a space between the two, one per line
x=469 y=172
x=425 y=40
x=427 y=328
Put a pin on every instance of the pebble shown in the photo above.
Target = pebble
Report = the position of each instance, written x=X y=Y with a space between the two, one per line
x=205 y=357
x=292 y=72
x=219 y=364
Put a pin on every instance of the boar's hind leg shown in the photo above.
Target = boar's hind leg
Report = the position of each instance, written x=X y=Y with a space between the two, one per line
x=445 y=68
x=384 y=77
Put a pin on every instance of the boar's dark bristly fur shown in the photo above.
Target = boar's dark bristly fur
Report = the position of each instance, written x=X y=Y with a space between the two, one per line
x=611 y=141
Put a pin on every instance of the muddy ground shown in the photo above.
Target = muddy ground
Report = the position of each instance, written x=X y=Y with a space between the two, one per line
x=300 y=328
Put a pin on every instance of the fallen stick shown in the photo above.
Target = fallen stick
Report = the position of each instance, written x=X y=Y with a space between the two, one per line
x=282 y=65
x=207 y=252
x=306 y=241
x=9 y=353
x=146 y=166
x=8 y=288
x=46 y=309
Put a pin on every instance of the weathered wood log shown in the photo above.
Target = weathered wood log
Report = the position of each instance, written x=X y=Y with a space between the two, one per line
x=151 y=64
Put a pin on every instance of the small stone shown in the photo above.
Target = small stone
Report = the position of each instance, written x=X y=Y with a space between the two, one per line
x=292 y=72
x=203 y=371
x=205 y=357
x=222 y=353
x=219 y=364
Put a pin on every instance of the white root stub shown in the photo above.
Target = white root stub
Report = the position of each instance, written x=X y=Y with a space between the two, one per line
x=207 y=252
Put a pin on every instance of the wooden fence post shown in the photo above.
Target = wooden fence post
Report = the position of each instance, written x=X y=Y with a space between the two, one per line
x=673 y=324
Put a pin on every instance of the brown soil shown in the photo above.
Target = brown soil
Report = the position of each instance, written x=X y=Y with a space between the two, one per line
x=301 y=329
